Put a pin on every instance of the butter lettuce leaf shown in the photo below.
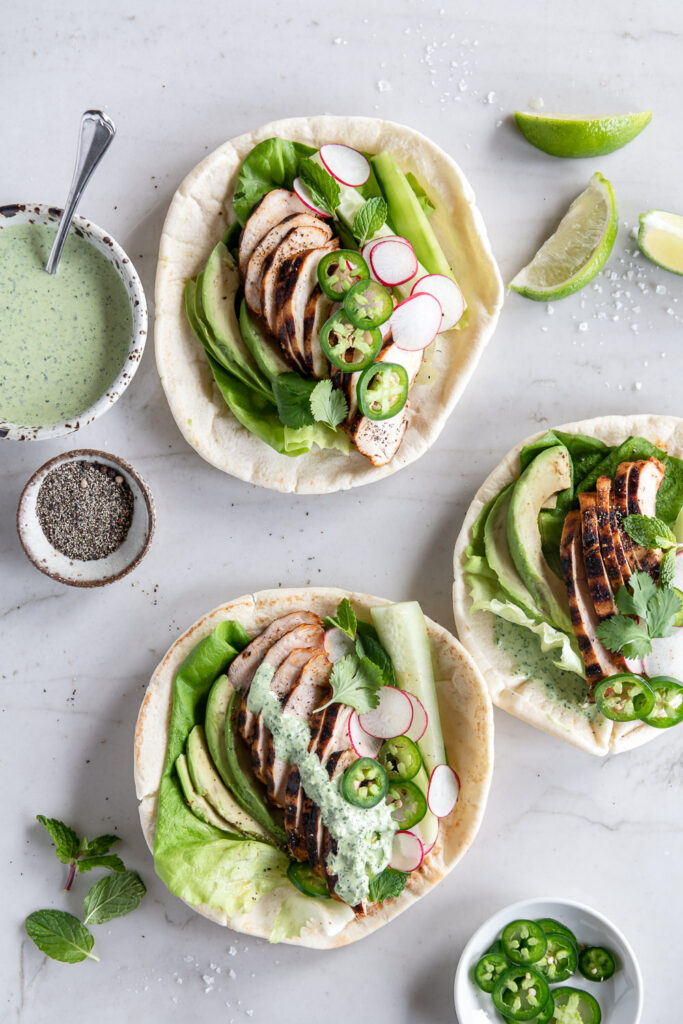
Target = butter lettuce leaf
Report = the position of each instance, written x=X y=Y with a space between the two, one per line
x=273 y=163
x=299 y=912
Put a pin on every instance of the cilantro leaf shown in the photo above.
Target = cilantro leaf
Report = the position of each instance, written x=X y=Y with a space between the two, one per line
x=368 y=646
x=328 y=404
x=110 y=861
x=369 y=219
x=621 y=634
x=345 y=619
x=113 y=896
x=65 y=839
x=387 y=885
x=662 y=610
x=635 y=602
x=293 y=398
x=354 y=681
x=96 y=847
x=60 y=935
x=650 y=532
x=325 y=191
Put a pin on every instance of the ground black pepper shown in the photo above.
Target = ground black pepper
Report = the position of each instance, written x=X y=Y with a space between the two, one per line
x=85 y=509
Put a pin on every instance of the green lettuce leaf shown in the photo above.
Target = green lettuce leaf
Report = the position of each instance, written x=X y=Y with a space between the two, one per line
x=299 y=911
x=273 y=163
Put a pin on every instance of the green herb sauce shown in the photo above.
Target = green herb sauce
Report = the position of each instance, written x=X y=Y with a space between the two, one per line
x=364 y=836
x=63 y=337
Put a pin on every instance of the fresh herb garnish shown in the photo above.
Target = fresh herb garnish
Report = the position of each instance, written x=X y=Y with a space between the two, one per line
x=422 y=197
x=389 y=884
x=354 y=681
x=657 y=608
x=345 y=619
x=81 y=854
x=293 y=397
x=650 y=532
x=369 y=219
x=328 y=404
x=325 y=191
x=368 y=646
x=60 y=935
x=113 y=896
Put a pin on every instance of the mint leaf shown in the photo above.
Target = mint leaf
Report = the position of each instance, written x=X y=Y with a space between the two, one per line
x=355 y=681
x=389 y=884
x=368 y=646
x=96 y=847
x=113 y=896
x=324 y=189
x=620 y=634
x=635 y=602
x=65 y=839
x=369 y=219
x=345 y=619
x=667 y=569
x=110 y=861
x=422 y=197
x=60 y=935
x=293 y=398
x=649 y=531
x=662 y=610
x=328 y=404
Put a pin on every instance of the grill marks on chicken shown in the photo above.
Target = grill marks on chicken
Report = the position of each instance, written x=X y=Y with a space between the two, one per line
x=596 y=573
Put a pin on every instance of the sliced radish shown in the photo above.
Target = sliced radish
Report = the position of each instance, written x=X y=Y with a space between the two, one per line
x=306 y=197
x=420 y=720
x=634 y=665
x=416 y=322
x=444 y=788
x=393 y=261
x=447 y=294
x=337 y=644
x=407 y=853
x=393 y=716
x=666 y=658
x=362 y=742
x=369 y=246
x=345 y=164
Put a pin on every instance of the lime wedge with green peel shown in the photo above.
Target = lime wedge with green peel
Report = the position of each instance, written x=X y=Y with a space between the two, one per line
x=560 y=135
x=578 y=249
x=661 y=239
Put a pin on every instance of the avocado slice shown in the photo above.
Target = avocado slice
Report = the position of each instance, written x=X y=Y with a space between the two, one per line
x=208 y=785
x=498 y=554
x=246 y=789
x=549 y=473
x=214 y=727
x=265 y=351
x=200 y=807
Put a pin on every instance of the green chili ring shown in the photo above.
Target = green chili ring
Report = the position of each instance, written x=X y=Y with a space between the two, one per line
x=521 y=994
x=364 y=783
x=382 y=390
x=668 y=695
x=347 y=347
x=400 y=759
x=339 y=271
x=408 y=802
x=624 y=697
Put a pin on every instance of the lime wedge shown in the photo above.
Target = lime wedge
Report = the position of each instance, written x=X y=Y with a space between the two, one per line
x=578 y=249
x=580 y=136
x=661 y=239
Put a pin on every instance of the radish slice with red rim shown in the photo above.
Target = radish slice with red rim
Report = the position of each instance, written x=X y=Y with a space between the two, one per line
x=420 y=721
x=362 y=742
x=347 y=165
x=666 y=658
x=447 y=294
x=337 y=644
x=369 y=246
x=393 y=716
x=306 y=198
x=416 y=322
x=443 y=792
x=393 y=261
x=634 y=665
x=407 y=853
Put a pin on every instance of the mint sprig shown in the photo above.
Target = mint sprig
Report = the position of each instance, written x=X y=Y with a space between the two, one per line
x=656 y=610
x=80 y=854
x=344 y=619
x=324 y=189
x=369 y=219
x=650 y=532
x=387 y=885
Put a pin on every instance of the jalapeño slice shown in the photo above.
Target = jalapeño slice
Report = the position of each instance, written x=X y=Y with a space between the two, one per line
x=339 y=271
x=347 y=347
x=364 y=783
x=521 y=993
x=597 y=963
x=668 y=705
x=310 y=884
x=524 y=942
x=400 y=759
x=489 y=970
x=559 y=960
x=624 y=697
x=408 y=804
x=573 y=1004
x=368 y=304
x=382 y=390
x=551 y=926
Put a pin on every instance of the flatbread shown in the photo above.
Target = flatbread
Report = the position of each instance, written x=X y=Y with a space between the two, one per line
x=511 y=690
x=198 y=218
x=467 y=720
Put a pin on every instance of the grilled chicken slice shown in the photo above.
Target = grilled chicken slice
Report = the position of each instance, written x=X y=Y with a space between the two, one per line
x=332 y=741
x=596 y=572
x=327 y=844
x=644 y=481
x=299 y=239
x=315 y=829
x=621 y=505
x=267 y=213
x=599 y=662
x=296 y=282
x=266 y=247
x=318 y=310
x=609 y=534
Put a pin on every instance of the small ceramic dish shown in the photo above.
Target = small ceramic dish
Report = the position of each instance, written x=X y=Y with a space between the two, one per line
x=37 y=213
x=620 y=998
x=99 y=571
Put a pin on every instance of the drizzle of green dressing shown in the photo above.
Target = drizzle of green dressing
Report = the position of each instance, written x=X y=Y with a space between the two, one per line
x=565 y=689
x=364 y=836
x=63 y=337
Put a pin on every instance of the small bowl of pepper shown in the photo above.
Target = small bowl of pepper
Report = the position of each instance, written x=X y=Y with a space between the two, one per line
x=86 y=518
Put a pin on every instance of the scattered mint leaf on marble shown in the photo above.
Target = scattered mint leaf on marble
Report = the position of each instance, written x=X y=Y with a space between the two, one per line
x=81 y=854
x=113 y=896
x=60 y=935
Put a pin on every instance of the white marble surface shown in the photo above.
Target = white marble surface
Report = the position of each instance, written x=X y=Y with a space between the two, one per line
x=179 y=79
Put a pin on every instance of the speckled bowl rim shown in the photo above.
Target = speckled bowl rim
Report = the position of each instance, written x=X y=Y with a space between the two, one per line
x=127 y=468
x=101 y=240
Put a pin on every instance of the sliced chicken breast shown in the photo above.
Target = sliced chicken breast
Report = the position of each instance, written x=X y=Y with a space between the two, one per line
x=256 y=266
x=594 y=565
x=644 y=481
x=606 y=530
x=243 y=668
x=318 y=310
x=621 y=505
x=295 y=284
x=300 y=239
x=269 y=211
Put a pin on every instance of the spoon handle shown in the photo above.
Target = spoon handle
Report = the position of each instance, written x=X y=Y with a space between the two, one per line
x=97 y=132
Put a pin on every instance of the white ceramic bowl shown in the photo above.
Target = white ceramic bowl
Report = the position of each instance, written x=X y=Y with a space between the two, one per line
x=99 y=571
x=620 y=998
x=37 y=213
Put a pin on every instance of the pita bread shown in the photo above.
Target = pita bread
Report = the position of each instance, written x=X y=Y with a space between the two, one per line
x=467 y=721
x=520 y=695
x=198 y=218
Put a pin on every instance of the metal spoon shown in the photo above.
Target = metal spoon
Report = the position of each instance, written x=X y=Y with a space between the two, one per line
x=97 y=131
